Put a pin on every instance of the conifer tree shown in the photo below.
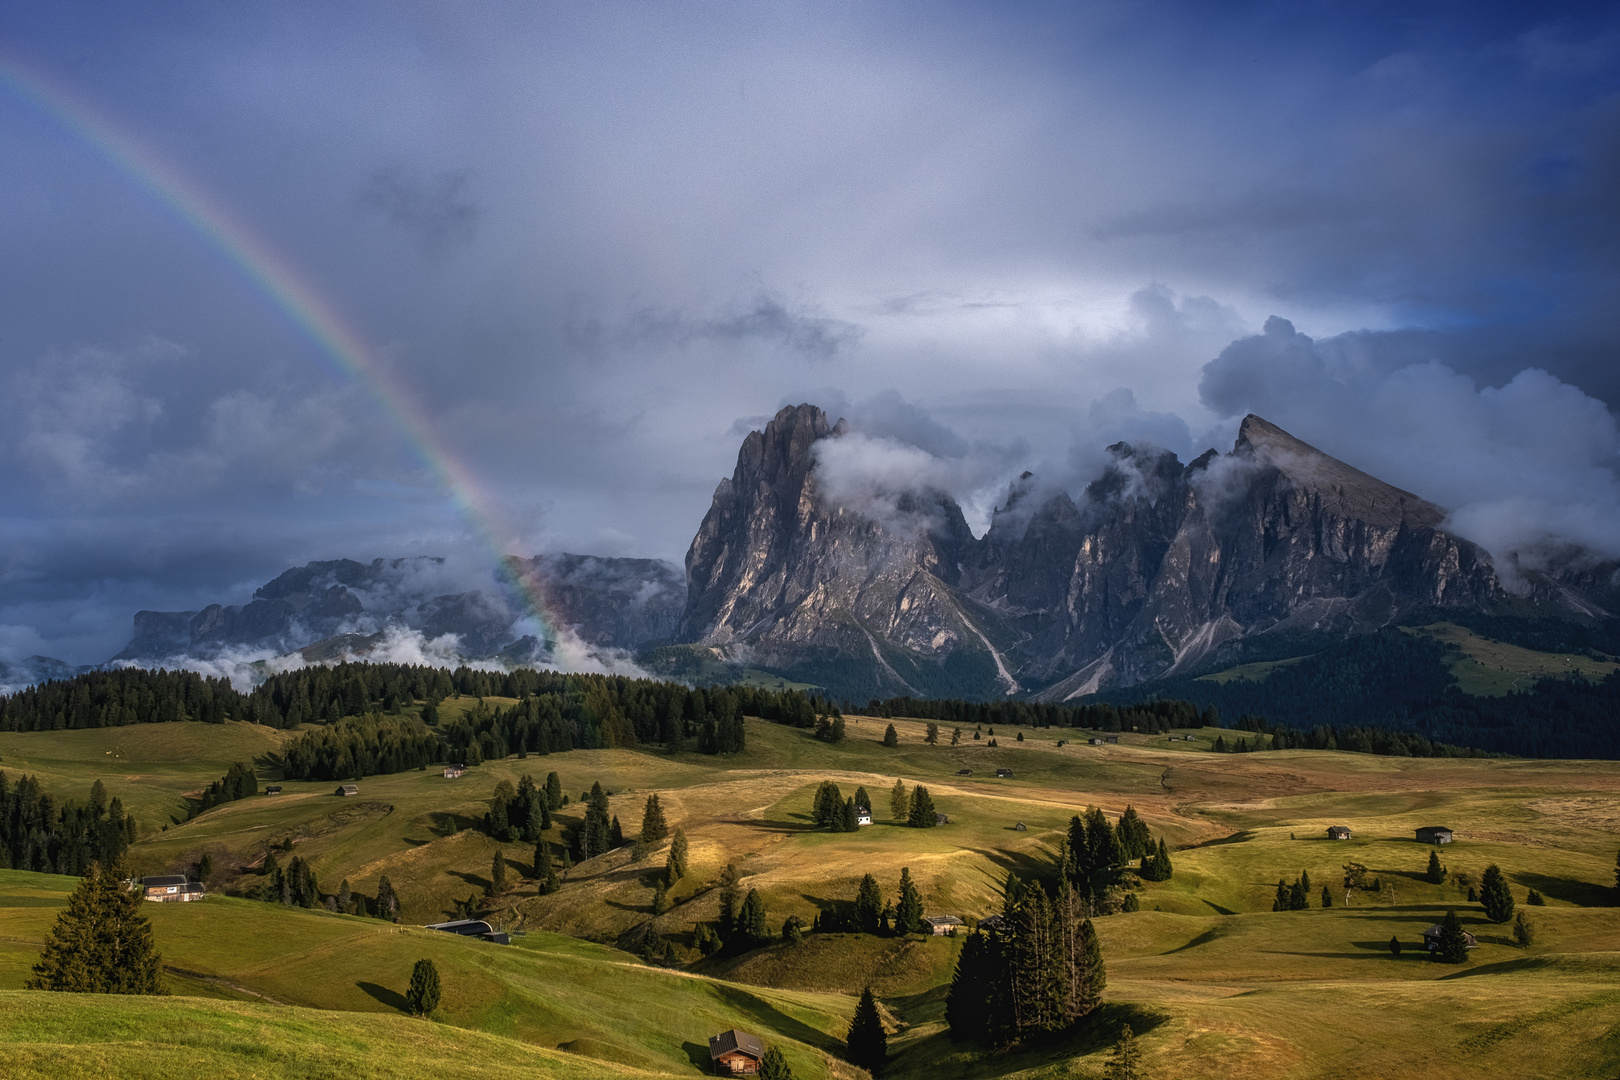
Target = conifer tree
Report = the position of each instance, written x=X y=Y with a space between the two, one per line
x=497 y=874
x=1394 y=945
x=773 y=1066
x=653 y=827
x=728 y=900
x=932 y=738
x=1283 y=900
x=922 y=814
x=1523 y=933
x=868 y=905
x=967 y=1004
x=345 y=897
x=956 y=736
x=900 y=807
x=1494 y=895
x=387 y=900
x=660 y=901
x=863 y=801
x=908 y=912
x=848 y=821
x=423 y=995
x=1453 y=944
x=751 y=921
x=867 y=1042
x=675 y=863
x=1436 y=874
x=828 y=809
x=1298 y=898
x=1125 y=1060
x=102 y=943
x=891 y=737
x=553 y=791
x=1305 y=880
x=615 y=835
x=1327 y=897
x=544 y=871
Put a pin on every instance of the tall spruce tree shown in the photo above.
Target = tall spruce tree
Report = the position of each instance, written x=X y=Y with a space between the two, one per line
x=1125 y=1060
x=868 y=905
x=653 y=827
x=773 y=1066
x=553 y=791
x=967 y=1003
x=922 y=814
x=1494 y=895
x=1436 y=874
x=891 y=738
x=675 y=863
x=752 y=930
x=1453 y=943
x=729 y=895
x=497 y=874
x=867 y=1042
x=102 y=943
x=387 y=906
x=908 y=911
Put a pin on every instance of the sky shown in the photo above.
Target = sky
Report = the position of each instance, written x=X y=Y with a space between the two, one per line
x=583 y=249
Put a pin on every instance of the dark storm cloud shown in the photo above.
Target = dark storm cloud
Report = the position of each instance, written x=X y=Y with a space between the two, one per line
x=437 y=210
x=763 y=320
x=1000 y=236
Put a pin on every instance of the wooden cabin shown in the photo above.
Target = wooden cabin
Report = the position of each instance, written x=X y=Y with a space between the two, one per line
x=940 y=925
x=1434 y=834
x=1338 y=832
x=736 y=1053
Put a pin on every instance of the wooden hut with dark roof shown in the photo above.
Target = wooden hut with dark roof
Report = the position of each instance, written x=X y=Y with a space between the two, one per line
x=736 y=1053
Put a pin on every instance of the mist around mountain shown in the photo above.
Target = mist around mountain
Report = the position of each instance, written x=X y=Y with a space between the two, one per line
x=815 y=566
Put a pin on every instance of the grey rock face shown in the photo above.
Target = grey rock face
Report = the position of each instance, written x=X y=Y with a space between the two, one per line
x=1154 y=569
x=618 y=603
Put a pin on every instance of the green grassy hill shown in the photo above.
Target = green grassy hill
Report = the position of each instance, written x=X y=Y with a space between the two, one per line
x=1217 y=983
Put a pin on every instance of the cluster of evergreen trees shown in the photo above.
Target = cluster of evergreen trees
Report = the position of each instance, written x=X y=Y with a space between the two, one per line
x=237 y=783
x=117 y=698
x=1037 y=972
x=1153 y=716
x=37 y=833
x=1096 y=852
x=831 y=810
x=361 y=746
x=522 y=812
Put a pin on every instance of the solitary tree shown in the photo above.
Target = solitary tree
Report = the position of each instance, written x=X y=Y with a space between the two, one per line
x=1453 y=943
x=675 y=864
x=921 y=815
x=387 y=900
x=1327 y=897
x=729 y=895
x=1495 y=896
x=497 y=874
x=1125 y=1060
x=1436 y=874
x=932 y=738
x=102 y=943
x=423 y=995
x=1394 y=945
x=653 y=826
x=891 y=737
x=751 y=921
x=867 y=1041
x=900 y=803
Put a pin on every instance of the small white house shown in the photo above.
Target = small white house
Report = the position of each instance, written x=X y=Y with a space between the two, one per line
x=863 y=815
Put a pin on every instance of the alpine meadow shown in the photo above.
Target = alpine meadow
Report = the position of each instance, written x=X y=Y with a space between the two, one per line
x=810 y=541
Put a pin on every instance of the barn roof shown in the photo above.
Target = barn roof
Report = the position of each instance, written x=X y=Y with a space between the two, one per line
x=735 y=1041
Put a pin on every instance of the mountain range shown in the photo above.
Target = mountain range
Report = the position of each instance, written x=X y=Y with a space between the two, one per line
x=1157 y=569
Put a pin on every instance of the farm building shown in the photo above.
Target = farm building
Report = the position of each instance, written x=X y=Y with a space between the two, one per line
x=172 y=889
x=964 y=772
x=1338 y=832
x=941 y=924
x=1005 y=774
x=736 y=1053
x=941 y=819
x=1434 y=834
x=1020 y=827
x=1431 y=938
x=347 y=789
x=863 y=815
x=453 y=771
x=464 y=927
x=1096 y=740
x=992 y=924
x=273 y=789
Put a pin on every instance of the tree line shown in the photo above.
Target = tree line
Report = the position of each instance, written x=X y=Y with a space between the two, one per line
x=41 y=834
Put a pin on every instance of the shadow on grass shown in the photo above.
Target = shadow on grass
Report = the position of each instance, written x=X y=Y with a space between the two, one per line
x=1569 y=890
x=1235 y=838
x=1095 y=1033
x=444 y=823
x=391 y=998
x=480 y=883
x=746 y=1004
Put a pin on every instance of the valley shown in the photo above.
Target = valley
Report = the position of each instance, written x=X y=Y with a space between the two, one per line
x=1214 y=982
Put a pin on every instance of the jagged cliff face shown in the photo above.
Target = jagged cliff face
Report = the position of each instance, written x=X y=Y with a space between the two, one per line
x=1151 y=572
x=781 y=576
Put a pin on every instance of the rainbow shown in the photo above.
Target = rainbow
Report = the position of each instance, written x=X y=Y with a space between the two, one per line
x=291 y=296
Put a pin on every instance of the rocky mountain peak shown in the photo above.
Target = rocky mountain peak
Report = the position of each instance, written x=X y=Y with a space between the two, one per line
x=1348 y=491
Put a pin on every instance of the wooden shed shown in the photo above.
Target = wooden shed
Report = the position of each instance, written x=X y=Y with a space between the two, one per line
x=347 y=789
x=1431 y=938
x=1434 y=834
x=941 y=924
x=736 y=1053
x=1338 y=832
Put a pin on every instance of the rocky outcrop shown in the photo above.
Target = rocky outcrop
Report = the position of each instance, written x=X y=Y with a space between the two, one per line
x=618 y=603
x=781 y=576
